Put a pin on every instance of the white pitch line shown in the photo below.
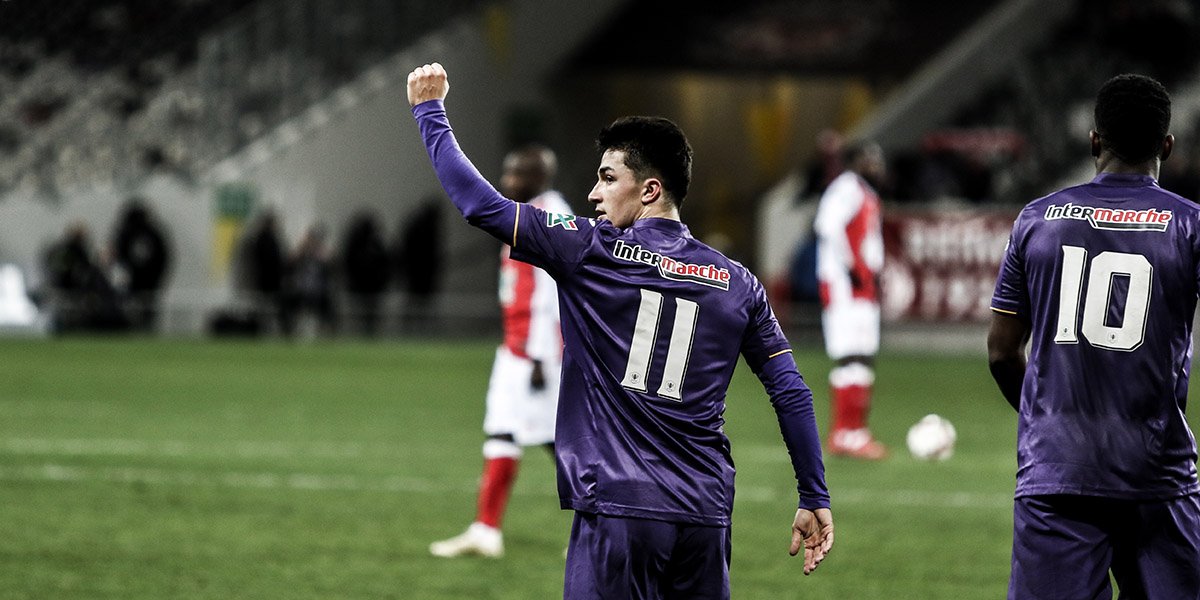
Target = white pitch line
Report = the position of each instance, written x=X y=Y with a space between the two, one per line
x=259 y=449
x=190 y=449
x=51 y=472
x=244 y=449
x=229 y=479
x=929 y=498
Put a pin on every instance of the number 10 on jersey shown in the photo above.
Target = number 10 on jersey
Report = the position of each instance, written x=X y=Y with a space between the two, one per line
x=1099 y=296
x=641 y=348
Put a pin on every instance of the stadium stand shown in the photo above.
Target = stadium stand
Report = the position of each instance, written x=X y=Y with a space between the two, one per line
x=1008 y=145
x=103 y=93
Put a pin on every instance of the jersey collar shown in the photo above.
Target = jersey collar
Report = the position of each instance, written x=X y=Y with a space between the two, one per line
x=670 y=226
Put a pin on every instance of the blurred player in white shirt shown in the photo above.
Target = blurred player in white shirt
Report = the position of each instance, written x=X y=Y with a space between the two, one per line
x=849 y=262
x=522 y=393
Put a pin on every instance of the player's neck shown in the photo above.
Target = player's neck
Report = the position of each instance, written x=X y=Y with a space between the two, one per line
x=1110 y=164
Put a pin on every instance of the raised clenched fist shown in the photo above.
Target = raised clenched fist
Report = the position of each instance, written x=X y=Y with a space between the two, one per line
x=427 y=83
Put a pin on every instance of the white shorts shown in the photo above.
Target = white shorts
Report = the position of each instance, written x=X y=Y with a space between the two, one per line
x=514 y=407
x=851 y=328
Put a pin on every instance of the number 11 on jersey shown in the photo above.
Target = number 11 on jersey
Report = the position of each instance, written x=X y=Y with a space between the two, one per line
x=641 y=348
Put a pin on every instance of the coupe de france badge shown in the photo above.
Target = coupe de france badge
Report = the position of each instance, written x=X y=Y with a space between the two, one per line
x=561 y=220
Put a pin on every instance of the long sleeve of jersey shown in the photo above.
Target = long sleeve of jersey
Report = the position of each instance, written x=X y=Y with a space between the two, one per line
x=793 y=403
x=478 y=201
x=766 y=351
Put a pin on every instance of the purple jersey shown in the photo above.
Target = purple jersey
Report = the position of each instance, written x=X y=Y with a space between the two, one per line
x=653 y=322
x=1107 y=275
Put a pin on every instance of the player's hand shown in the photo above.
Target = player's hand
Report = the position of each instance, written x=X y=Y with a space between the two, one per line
x=427 y=83
x=537 y=379
x=813 y=531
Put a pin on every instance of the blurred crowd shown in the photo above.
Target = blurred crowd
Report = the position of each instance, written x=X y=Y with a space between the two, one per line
x=87 y=98
x=312 y=287
x=113 y=287
x=315 y=289
x=102 y=93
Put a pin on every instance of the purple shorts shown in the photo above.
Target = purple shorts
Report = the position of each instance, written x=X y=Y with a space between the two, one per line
x=1065 y=546
x=626 y=557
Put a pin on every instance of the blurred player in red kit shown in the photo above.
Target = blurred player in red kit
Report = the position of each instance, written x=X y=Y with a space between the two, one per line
x=523 y=390
x=849 y=261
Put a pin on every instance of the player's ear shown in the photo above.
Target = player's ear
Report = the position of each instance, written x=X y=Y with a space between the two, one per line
x=1167 y=146
x=652 y=191
x=1094 y=136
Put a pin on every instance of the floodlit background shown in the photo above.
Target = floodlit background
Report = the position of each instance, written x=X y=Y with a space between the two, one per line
x=183 y=432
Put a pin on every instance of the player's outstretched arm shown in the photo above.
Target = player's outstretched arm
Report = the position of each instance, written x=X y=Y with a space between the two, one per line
x=475 y=198
x=812 y=530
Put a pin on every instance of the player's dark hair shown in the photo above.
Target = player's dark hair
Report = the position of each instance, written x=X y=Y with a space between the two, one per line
x=653 y=147
x=1133 y=113
x=544 y=157
x=855 y=150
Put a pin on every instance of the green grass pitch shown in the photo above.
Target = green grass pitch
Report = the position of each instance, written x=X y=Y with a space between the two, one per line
x=176 y=469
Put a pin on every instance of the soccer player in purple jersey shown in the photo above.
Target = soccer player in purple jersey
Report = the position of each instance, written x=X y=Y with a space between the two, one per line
x=1101 y=280
x=653 y=322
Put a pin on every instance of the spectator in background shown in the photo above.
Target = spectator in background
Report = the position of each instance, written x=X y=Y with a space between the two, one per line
x=309 y=282
x=81 y=295
x=69 y=262
x=419 y=259
x=849 y=262
x=262 y=256
x=367 y=269
x=141 y=252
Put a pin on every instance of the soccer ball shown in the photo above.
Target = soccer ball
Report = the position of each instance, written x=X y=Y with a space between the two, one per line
x=932 y=438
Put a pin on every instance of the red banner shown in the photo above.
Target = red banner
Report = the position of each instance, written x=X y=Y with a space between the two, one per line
x=942 y=266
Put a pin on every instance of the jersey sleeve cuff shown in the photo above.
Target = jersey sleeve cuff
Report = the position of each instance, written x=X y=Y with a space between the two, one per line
x=813 y=503
x=427 y=107
x=1007 y=306
x=516 y=224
